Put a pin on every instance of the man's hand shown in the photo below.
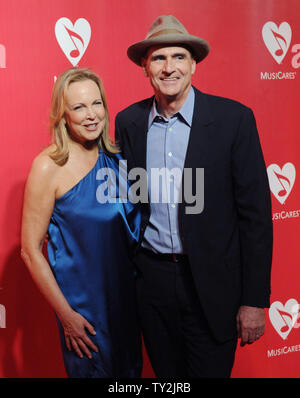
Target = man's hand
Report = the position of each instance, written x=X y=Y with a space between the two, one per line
x=250 y=324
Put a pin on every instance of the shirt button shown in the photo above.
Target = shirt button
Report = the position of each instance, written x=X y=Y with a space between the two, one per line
x=170 y=154
x=173 y=205
x=170 y=129
x=174 y=232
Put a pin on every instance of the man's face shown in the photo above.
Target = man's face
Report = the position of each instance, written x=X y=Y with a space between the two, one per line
x=170 y=71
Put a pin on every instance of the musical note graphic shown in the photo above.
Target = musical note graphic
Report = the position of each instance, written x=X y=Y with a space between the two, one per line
x=277 y=36
x=280 y=177
x=73 y=38
x=286 y=327
x=74 y=53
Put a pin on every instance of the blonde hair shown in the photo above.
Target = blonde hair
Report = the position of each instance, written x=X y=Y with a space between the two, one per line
x=58 y=128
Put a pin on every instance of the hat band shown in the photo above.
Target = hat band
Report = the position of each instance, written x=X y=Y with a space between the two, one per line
x=164 y=32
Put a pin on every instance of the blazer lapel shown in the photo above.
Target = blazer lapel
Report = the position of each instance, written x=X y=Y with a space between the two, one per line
x=198 y=151
x=201 y=133
x=138 y=132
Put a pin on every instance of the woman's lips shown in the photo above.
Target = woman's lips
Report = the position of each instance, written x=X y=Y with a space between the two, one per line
x=91 y=127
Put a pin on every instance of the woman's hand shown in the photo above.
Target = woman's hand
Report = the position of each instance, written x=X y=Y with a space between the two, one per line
x=75 y=334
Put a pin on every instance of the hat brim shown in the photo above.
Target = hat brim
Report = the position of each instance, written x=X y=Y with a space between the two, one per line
x=198 y=46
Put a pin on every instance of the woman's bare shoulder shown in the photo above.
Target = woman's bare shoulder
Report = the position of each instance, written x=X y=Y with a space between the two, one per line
x=43 y=166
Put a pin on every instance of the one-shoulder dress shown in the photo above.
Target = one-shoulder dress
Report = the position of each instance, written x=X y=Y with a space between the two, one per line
x=90 y=238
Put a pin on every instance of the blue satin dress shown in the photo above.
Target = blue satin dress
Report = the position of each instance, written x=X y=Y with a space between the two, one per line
x=89 y=248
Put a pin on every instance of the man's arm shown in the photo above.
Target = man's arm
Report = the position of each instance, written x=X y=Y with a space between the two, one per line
x=252 y=196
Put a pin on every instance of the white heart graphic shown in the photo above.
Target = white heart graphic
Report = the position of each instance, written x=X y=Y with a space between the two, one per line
x=284 y=317
x=277 y=39
x=281 y=181
x=73 y=39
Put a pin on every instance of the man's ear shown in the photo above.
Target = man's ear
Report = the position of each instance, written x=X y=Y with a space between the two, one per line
x=193 y=67
x=143 y=62
x=145 y=71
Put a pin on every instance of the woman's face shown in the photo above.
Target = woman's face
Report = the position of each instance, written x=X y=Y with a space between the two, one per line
x=84 y=113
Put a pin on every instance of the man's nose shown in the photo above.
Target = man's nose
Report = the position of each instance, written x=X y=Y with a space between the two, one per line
x=168 y=66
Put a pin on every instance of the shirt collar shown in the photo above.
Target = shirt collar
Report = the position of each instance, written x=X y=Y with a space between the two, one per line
x=186 y=111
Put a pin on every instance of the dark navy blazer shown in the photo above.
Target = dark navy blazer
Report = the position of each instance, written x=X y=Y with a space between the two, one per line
x=229 y=244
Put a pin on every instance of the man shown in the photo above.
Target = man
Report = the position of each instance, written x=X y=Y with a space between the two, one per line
x=203 y=272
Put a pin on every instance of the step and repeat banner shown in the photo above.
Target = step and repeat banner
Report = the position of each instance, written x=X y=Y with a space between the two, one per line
x=254 y=58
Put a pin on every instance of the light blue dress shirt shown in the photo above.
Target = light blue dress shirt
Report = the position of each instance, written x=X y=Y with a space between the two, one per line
x=167 y=142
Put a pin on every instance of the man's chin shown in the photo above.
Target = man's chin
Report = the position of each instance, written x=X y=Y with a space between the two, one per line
x=170 y=95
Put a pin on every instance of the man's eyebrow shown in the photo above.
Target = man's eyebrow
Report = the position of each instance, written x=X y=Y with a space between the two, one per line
x=177 y=54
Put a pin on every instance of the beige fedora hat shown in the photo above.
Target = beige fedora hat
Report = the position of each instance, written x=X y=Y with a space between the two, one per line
x=166 y=29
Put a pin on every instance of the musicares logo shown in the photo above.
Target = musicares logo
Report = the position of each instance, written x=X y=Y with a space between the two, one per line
x=281 y=181
x=284 y=317
x=2 y=56
x=73 y=39
x=277 y=40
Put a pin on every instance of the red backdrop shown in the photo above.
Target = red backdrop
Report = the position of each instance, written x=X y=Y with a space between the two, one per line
x=255 y=59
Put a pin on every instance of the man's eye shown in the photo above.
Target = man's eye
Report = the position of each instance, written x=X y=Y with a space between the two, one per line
x=158 y=58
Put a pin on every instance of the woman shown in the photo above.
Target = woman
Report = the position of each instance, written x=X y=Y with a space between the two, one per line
x=88 y=278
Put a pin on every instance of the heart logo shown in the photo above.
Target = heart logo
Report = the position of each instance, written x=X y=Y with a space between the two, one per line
x=281 y=181
x=277 y=39
x=284 y=317
x=73 y=39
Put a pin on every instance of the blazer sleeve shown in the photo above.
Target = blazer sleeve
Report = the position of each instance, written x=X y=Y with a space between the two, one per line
x=253 y=201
